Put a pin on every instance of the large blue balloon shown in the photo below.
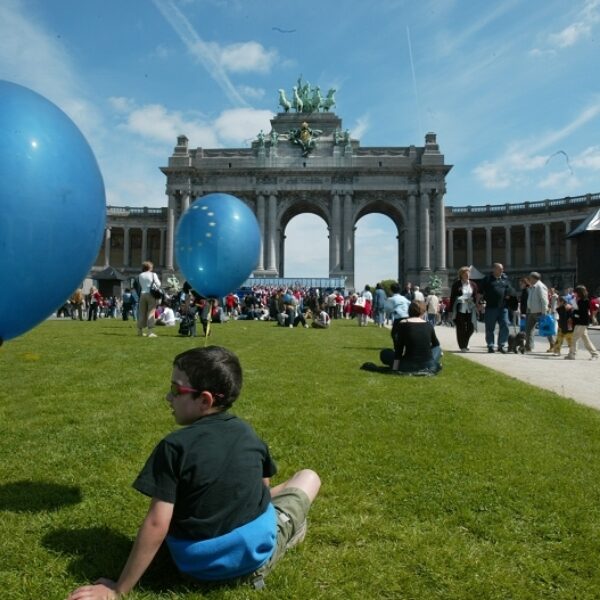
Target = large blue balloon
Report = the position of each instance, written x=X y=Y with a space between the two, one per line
x=217 y=244
x=52 y=208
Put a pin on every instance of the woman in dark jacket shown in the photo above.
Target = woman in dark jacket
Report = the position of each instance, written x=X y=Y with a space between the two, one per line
x=463 y=307
x=416 y=347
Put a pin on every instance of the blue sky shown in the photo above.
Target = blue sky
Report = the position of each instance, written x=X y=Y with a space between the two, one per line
x=505 y=85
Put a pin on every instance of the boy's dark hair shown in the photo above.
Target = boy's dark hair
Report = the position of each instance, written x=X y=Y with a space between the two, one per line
x=582 y=292
x=215 y=370
x=395 y=288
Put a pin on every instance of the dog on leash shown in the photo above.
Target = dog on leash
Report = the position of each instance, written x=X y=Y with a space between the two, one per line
x=516 y=343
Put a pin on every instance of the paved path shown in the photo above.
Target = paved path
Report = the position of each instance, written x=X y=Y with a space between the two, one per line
x=577 y=379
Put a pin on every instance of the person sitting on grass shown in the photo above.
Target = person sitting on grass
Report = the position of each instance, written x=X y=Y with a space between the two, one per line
x=167 y=316
x=416 y=347
x=209 y=487
x=322 y=320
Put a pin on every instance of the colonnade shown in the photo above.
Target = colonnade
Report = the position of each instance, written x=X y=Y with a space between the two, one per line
x=127 y=249
x=506 y=255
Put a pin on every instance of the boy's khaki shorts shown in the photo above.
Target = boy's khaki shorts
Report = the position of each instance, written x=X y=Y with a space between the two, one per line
x=292 y=506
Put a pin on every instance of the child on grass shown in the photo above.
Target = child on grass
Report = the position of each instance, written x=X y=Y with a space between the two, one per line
x=208 y=484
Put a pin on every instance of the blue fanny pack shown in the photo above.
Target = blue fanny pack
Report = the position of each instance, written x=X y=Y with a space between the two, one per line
x=234 y=554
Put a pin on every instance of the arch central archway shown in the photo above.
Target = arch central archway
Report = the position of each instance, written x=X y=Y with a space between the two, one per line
x=313 y=225
x=378 y=254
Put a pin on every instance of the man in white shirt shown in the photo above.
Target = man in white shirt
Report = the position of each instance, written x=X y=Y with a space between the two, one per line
x=418 y=294
x=537 y=305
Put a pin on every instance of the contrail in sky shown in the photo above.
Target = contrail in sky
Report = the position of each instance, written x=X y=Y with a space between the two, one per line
x=204 y=52
x=412 y=67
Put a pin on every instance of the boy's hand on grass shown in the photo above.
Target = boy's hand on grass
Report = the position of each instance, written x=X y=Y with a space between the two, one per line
x=103 y=589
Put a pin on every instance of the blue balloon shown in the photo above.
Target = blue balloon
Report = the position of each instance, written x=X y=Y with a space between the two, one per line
x=217 y=244
x=52 y=205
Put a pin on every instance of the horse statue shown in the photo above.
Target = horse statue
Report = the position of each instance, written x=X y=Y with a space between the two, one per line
x=329 y=100
x=317 y=99
x=297 y=104
x=284 y=102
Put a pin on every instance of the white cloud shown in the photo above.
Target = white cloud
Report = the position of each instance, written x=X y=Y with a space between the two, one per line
x=216 y=59
x=245 y=57
x=579 y=29
x=492 y=176
x=233 y=126
x=204 y=52
x=510 y=167
x=37 y=59
x=588 y=159
x=570 y=35
x=361 y=126
x=251 y=92
x=121 y=104
x=156 y=123
x=560 y=179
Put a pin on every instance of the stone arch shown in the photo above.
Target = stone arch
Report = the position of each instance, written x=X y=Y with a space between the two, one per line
x=290 y=208
x=394 y=209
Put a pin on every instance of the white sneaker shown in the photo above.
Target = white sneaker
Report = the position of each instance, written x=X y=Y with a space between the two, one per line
x=152 y=335
x=594 y=357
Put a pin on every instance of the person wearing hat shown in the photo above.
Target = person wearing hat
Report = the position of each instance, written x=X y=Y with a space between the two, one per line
x=537 y=305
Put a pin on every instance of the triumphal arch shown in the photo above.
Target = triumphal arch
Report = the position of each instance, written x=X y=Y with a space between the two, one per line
x=309 y=163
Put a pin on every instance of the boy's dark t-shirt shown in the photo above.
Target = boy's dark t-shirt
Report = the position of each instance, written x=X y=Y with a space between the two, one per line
x=212 y=471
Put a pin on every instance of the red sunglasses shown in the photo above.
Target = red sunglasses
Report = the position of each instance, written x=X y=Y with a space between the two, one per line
x=180 y=390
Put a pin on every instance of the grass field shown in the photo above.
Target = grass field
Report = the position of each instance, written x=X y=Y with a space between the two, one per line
x=467 y=485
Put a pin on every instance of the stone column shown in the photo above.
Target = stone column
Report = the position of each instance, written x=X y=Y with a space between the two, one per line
x=440 y=234
x=424 y=233
x=411 y=238
x=469 y=246
x=547 y=241
x=107 y=247
x=144 y=243
x=488 y=246
x=170 y=232
x=272 y=234
x=568 y=245
x=348 y=247
x=527 y=244
x=260 y=217
x=185 y=201
x=161 y=250
x=507 y=246
x=451 y=248
x=334 y=234
x=126 y=244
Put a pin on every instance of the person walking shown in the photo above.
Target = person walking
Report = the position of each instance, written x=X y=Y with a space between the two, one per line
x=379 y=298
x=463 y=303
x=537 y=305
x=496 y=290
x=581 y=322
x=148 y=302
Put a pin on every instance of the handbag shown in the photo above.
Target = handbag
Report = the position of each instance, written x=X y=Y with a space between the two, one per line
x=155 y=290
x=360 y=301
x=547 y=326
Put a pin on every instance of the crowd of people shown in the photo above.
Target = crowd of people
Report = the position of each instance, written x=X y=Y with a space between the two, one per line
x=492 y=301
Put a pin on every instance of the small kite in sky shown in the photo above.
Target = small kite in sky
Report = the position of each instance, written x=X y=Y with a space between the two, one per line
x=566 y=158
x=283 y=30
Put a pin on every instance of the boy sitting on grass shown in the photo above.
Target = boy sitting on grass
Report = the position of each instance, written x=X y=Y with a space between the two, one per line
x=209 y=484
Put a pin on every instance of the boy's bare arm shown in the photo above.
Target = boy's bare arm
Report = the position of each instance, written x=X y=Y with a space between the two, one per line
x=151 y=535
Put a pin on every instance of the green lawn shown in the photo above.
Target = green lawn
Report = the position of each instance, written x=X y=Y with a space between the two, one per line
x=468 y=485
